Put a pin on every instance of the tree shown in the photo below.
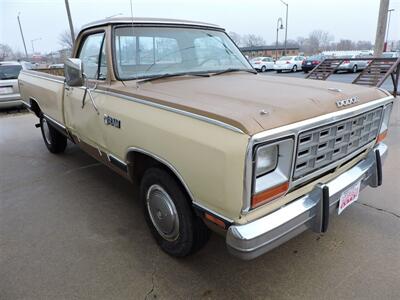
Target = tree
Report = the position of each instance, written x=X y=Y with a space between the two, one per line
x=364 y=45
x=236 y=37
x=5 y=52
x=65 y=40
x=344 y=45
x=252 y=40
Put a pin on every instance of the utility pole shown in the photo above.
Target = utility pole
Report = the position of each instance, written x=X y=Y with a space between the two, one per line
x=387 y=31
x=34 y=40
x=287 y=12
x=71 y=26
x=381 y=28
x=22 y=35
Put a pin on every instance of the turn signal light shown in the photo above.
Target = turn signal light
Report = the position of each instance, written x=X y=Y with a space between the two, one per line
x=381 y=136
x=215 y=220
x=268 y=195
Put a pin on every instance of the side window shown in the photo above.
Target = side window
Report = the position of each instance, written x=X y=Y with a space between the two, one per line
x=93 y=56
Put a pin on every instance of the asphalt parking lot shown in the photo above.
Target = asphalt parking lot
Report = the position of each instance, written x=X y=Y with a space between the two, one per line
x=70 y=228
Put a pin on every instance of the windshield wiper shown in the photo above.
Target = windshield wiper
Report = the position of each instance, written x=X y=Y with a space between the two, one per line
x=230 y=70
x=167 y=75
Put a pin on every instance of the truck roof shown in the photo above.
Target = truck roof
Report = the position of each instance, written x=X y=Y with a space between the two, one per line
x=157 y=21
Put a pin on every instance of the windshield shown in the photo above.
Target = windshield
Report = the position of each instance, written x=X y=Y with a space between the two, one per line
x=256 y=59
x=286 y=58
x=9 y=71
x=143 y=52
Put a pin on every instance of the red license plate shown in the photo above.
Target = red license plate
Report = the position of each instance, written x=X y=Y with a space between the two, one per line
x=349 y=196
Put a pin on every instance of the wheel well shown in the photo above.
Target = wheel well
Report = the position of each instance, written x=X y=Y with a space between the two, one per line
x=139 y=162
x=35 y=108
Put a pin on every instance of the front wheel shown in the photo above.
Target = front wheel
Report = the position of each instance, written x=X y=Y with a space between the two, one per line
x=263 y=69
x=294 y=69
x=55 y=141
x=355 y=69
x=173 y=223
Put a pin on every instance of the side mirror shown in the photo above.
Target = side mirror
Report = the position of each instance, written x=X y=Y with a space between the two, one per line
x=73 y=72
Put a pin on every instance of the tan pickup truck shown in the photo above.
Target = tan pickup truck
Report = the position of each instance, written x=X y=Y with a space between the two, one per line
x=174 y=106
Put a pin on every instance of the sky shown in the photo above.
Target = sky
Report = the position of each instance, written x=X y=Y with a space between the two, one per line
x=44 y=20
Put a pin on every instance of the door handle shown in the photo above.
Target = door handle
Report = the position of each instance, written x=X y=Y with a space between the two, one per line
x=67 y=88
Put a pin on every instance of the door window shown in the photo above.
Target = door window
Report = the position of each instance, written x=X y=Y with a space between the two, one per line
x=93 y=56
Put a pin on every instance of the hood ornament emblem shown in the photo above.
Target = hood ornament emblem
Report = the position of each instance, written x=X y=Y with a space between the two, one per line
x=347 y=102
x=335 y=90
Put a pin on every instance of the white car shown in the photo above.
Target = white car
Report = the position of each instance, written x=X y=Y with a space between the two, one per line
x=262 y=63
x=289 y=63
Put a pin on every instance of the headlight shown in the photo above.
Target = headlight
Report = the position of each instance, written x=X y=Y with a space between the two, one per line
x=266 y=159
x=272 y=165
x=385 y=122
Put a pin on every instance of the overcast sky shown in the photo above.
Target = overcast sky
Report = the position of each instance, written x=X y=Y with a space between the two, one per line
x=345 y=19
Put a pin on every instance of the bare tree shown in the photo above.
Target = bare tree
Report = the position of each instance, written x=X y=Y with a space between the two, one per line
x=236 y=37
x=251 y=40
x=364 y=45
x=6 y=52
x=65 y=40
x=345 y=45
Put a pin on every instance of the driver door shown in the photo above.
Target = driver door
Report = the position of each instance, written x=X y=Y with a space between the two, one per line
x=83 y=115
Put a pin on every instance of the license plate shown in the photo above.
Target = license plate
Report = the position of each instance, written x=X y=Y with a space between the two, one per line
x=6 y=90
x=308 y=63
x=349 y=196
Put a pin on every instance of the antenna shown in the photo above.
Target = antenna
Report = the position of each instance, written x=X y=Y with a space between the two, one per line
x=131 y=13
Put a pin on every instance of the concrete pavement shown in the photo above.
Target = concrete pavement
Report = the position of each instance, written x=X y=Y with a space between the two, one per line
x=72 y=229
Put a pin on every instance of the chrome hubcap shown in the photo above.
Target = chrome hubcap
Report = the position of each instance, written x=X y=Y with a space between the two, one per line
x=162 y=212
x=46 y=131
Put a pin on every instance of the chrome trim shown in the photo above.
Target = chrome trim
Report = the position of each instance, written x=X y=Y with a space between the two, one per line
x=178 y=175
x=116 y=158
x=174 y=110
x=54 y=121
x=34 y=74
x=248 y=241
x=295 y=129
x=138 y=21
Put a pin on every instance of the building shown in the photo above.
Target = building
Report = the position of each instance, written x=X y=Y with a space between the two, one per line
x=271 y=51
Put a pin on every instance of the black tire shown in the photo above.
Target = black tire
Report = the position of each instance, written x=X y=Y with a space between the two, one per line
x=54 y=140
x=192 y=234
x=305 y=71
x=294 y=69
x=263 y=69
x=354 y=69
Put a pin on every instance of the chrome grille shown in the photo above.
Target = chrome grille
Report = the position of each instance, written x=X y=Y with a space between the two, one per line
x=324 y=145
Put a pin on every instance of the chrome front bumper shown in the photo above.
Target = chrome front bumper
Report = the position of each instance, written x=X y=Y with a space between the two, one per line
x=311 y=211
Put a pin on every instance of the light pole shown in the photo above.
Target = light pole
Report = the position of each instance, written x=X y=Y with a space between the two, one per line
x=387 y=31
x=287 y=12
x=34 y=40
x=22 y=35
x=71 y=26
x=277 y=36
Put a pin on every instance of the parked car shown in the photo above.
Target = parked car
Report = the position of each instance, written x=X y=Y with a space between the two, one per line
x=311 y=62
x=209 y=148
x=352 y=66
x=56 y=66
x=263 y=64
x=289 y=63
x=9 y=89
x=391 y=54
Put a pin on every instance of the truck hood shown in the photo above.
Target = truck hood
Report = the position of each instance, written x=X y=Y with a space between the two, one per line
x=252 y=103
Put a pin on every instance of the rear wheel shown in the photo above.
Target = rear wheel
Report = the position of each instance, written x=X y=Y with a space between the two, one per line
x=354 y=69
x=294 y=69
x=55 y=141
x=173 y=223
